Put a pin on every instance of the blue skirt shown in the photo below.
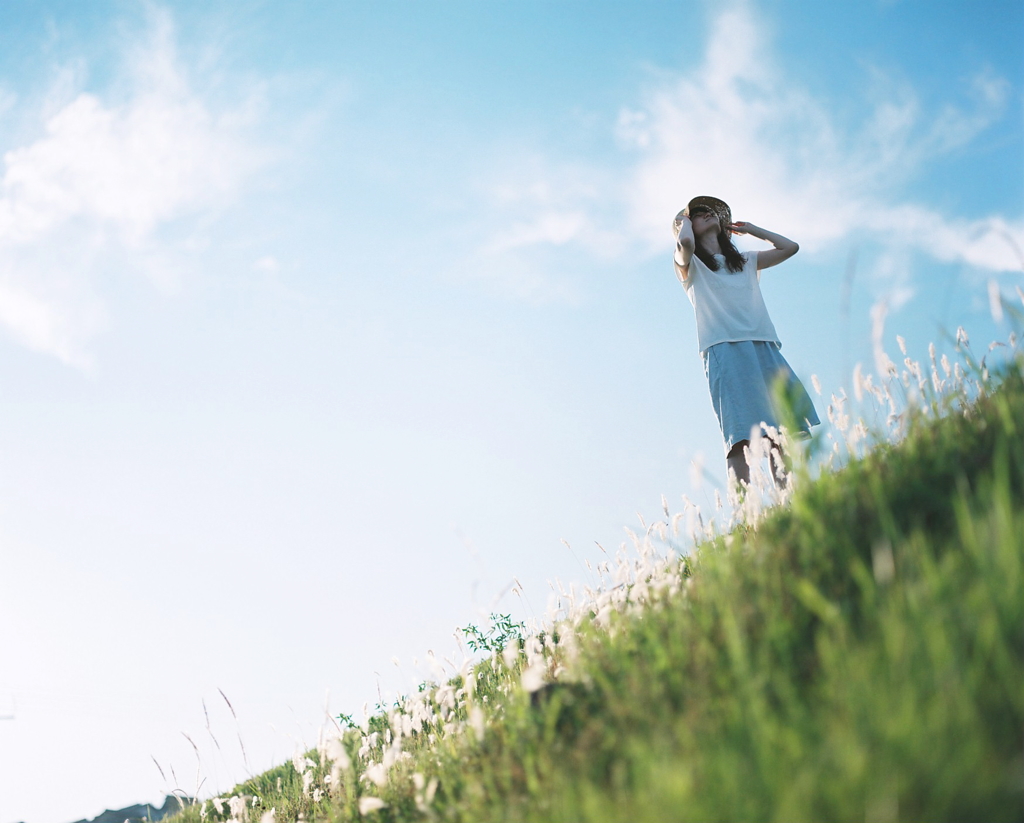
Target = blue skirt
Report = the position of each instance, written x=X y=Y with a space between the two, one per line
x=751 y=383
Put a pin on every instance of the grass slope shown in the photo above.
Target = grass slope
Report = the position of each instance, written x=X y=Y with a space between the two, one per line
x=858 y=655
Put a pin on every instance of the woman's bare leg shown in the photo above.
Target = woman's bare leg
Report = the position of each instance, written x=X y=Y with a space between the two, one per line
x=736 y=462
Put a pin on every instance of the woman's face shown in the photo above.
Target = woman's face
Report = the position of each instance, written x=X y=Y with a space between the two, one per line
x=704 y=221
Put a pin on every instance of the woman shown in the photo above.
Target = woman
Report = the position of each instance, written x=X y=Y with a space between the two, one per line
x=750 y=381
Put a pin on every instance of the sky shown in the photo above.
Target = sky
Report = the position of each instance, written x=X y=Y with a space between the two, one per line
x=325 y=326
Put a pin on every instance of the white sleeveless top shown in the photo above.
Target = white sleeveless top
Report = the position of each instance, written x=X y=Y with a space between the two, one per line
x=728 y=305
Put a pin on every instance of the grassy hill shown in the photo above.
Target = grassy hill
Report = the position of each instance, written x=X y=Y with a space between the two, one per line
x=858 y=654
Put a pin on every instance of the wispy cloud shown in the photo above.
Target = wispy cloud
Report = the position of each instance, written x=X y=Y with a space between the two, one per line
x=102 y=179
x=738 y=126
x=741 y=128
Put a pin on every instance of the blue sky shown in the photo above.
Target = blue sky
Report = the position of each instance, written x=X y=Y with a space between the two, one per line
x=321 y=323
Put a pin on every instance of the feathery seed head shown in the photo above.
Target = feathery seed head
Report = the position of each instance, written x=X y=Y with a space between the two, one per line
x=533 y=678
x=370 y=804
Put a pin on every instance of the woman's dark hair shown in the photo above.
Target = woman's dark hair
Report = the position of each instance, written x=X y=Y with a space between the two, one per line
x=733 y=259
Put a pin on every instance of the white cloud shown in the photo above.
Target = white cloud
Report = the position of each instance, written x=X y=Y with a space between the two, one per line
x=553 y=227
x=530 y=207
x=102 y=179
x=539 y=203
x=45 y=319
x=738 y=127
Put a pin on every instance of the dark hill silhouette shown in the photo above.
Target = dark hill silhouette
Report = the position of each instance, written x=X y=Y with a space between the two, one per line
x=140 y=812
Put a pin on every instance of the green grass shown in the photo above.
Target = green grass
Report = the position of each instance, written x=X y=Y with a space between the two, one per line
x=858 y=654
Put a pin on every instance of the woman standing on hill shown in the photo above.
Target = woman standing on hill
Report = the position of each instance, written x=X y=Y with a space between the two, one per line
x=746 y=372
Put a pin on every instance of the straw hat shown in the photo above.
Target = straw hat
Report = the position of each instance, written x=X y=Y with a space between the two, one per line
x=717 y=207
x=712 y=204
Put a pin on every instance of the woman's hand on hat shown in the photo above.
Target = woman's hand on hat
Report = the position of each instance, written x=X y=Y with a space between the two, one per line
x=741 y=227
x=683 y=228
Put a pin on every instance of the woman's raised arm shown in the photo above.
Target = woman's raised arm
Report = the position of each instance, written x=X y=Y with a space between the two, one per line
x=784 y=247
x=684 y=247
